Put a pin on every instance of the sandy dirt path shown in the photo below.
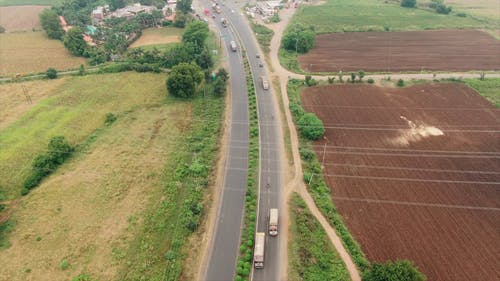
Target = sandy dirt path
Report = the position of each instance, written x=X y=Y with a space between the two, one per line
x=296 y=184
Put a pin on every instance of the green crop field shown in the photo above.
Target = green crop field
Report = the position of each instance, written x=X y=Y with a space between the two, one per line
x=488 y=88
x=312 y=256
x=376 y=15
x=29 y=2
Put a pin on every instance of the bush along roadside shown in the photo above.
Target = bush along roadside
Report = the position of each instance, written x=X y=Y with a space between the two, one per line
x=317 y=186
x=244 y=264
x=158 y=251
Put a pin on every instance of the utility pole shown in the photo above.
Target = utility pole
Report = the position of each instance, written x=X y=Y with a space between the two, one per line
x=26 y=94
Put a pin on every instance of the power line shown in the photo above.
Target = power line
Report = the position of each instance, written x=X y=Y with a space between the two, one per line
x=412 y=169
x=406 y=149
x=418 y=204
x=411 y=179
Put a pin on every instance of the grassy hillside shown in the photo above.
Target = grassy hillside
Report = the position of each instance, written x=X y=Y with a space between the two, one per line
x=125 y=205
x=312 y=256
x=488 y=88
x=75 y=109
x=376 y=15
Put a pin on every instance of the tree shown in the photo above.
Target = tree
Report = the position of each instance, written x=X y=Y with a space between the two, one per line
x=361 y=74
x=81 y=71
x=299 y=40
x=219 y=86
x=117 y=4
x=183 y=79
x=183 y=6
x=222 y=73
x=408 y=3
x=196 y=32
x=204 y=59
x=400 y=270
x=310 y=126
x=2 y=29
x=181 y=19
x=51 y=73
x=353 y=77
x=74 y=42
x=50 y=22
x=400 y=83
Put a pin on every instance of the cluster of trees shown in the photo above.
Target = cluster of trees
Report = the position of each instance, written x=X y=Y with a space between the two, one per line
x=299 y=39
x=408 y=3
x=58 y=151
x=437 y=5
x=50 y=22
x=440 y=7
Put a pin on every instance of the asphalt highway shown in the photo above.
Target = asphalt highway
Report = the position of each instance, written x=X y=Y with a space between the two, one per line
x=223 y=256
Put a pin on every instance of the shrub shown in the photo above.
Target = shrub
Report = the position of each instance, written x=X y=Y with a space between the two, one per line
x=51 y=73
x=462 y=15
x=109 y=119
x=310 y=126
x=371 y=81
x=64 y=264
x=400 y=270
x=2 y=29
x=408 y=3
x=331 y=80
x=400 y=83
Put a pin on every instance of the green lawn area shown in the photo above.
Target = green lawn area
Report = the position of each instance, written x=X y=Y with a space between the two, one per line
x=488 y=88
x=75 y=109
x=375 y=15
x=29 y=2
x=312 y=256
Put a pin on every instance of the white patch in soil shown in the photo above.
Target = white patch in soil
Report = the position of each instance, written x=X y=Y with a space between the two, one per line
x=415 y=133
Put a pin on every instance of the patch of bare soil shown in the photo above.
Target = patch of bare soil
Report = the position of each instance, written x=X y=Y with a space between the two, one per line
x=446 y=50
x=415 y=173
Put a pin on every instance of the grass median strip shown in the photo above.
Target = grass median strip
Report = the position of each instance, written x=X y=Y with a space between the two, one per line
x=244 y=265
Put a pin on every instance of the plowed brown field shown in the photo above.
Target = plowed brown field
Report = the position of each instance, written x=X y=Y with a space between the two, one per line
x=447 y=50
x=415 y=172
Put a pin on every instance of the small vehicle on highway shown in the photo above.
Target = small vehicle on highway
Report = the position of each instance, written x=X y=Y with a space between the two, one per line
x=234 y=48
x=257 y=56
x=261 y=64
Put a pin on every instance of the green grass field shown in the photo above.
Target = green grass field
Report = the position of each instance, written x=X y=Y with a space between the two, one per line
x=488 y=88
x=312 y=256
x=161 y=38
x=29 y=2
x=375 y=15
x=75 y=109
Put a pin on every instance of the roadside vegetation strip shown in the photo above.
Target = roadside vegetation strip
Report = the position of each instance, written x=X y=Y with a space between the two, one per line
x=159 y=250
x=487 y=87
x=315 y=181
x=263 y=34
x=244 y=265
x=312 y=256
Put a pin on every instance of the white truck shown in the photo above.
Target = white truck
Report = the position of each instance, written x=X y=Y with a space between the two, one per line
x=273 y=222
x=258 y=253
x=265 y=83
x=234 y=48
x=223 y=21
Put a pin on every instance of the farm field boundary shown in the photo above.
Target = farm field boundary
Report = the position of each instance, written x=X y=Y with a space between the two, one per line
x=412 y=163
x=437 y=50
